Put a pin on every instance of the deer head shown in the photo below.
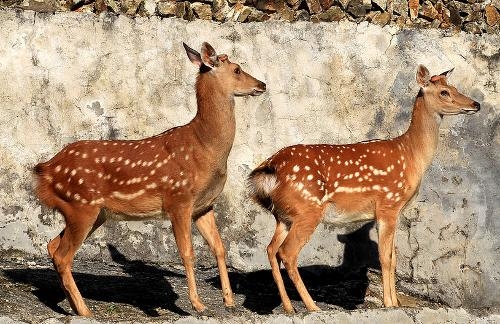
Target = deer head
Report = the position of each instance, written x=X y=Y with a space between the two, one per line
x=443 y=97
x=233 y=79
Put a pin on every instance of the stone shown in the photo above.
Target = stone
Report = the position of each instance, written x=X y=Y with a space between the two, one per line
x=295 y=4
x=381 y=18
x=238 y=12
x=130 y=7
x=381 y=3
x=220 y=9
x=492 y=15
x=472 y=27
x=344 y=3
x=286 y=14
x=114 y=5
x=314 y=6
x=166 y=8
x=302 y=15
x=496 y=4
x=455 y=17
x=400 y=7
x=333 y=14
x=429 y=11
x=257 y=15
x=413 y=7
x=325 y=4
x=269 y=5
x=202 y=10
x=358 y=8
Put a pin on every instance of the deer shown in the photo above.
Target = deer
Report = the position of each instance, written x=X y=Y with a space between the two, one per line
x=304 y=185
x=175 y=175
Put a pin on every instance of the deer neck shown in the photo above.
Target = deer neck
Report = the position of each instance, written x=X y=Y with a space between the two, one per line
x=214 y=123
x=421 y=138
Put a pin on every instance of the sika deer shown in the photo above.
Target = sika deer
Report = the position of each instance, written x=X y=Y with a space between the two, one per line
x=178 y=174
x=359 y=182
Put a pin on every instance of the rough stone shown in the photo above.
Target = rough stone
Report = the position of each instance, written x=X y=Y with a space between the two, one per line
x=492 y=15
x=130 y=7
x=358 y=8
x=302 y=15
x=269 y=5
x=401 y=8
x=166 y=8
x=413 y=6
x=381 y=18
x=428 y=10
x=220 y=9
x=326 y=4
x=202 y=10
x=314 y=6
x=381 y=3
x=239 y=13
x=332 y=14
x=286 y=14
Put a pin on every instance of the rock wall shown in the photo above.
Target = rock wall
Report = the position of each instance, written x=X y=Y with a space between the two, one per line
x=474 y=16
x=68 y=76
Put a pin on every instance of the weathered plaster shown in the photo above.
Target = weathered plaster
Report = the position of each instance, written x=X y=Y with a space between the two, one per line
x=65 y=77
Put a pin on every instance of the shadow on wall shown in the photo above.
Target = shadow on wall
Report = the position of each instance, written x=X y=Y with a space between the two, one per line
x=148 y=288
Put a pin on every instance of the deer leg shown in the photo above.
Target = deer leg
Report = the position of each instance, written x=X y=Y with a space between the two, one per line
x=62 y=250
x=181 y=226
x=272 y=250
x=296 y=239
x=208 y=229
x=392 y=278
x=386 y=229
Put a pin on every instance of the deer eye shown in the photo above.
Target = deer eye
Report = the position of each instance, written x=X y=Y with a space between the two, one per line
x=237 y=70
x=445 y=93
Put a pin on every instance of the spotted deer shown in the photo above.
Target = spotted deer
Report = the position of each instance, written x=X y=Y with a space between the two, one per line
x=176 y=175
x=355 y=182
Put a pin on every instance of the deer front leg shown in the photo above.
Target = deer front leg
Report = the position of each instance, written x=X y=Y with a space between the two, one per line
x=181 y=226
x=208 y=229
x=386 y=230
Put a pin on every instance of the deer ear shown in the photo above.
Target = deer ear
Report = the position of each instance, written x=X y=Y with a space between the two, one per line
x=208 y=55
x=193 y=55
x=423 y=76
x=447 y=73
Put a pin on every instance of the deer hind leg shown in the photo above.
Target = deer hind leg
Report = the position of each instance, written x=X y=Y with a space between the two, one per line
x=297 y=237
x=181 y=226
x=208 y=229
x=62 y=249
x=386 y=231
x=272 y=250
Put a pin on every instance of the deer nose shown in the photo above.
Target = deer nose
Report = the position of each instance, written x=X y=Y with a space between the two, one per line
x=477 y=105
x=262 y=86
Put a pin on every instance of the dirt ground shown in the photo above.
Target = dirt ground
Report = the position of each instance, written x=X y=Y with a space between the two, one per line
x=126 y=289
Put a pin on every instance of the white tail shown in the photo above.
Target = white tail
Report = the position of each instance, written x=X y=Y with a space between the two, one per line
x=178 y=174
x=362 y=181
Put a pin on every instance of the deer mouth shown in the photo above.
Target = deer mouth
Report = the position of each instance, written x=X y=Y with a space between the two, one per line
x=470 y=111
x=257 y=92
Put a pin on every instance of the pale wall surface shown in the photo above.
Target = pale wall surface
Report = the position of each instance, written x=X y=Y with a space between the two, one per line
x=65 y=77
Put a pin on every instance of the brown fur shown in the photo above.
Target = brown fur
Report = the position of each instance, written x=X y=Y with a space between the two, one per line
x=178 y=173
x=374 y=179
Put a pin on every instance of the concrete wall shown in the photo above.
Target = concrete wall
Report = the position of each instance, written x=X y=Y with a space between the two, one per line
x=65 y=77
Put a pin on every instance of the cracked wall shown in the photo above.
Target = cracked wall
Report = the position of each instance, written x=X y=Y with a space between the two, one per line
x=67 y=76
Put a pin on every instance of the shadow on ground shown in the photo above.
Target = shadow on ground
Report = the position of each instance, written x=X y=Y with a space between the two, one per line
x=344 y=286
x=135 y=283
x=151 y=287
